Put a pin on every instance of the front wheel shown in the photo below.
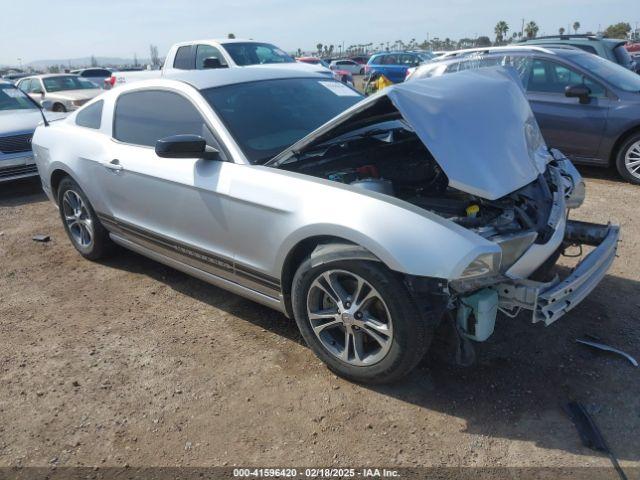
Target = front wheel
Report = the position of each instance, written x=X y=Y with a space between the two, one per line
x=628 y=159
x=58 y=107
x=359 y=319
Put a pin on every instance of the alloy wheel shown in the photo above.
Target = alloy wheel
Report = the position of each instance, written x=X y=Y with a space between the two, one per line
x=349 y=317
x=632 y=159
x=77 y=218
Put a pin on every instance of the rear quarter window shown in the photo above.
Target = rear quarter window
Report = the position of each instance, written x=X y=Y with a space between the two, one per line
x=90 y=116
x=184 y=60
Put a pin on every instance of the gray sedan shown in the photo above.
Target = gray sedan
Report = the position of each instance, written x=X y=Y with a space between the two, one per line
x=586 y=106
x=372 y=222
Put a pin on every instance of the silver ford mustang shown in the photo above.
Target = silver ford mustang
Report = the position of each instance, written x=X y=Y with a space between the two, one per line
x=373 y=222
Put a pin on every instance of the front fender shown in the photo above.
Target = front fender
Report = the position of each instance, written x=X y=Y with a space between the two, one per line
x=405 y=238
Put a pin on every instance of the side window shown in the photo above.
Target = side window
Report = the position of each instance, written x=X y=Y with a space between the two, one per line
x=586 y=48
x=207 y=51
x=25 y=85
x=91 y=116
x=522 y=65
x=142 y=118
x=389 y=60
x=184 y=58
x=551 y=77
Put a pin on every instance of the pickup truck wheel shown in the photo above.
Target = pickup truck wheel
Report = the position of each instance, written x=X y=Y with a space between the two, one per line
x=87 y=234
x=359 y=319
x=628 y=159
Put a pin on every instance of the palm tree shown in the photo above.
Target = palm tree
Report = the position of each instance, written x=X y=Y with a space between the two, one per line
x=561 y=31
x=319 y=47
x=531 y=29
x=501 y=31
x=576 y=26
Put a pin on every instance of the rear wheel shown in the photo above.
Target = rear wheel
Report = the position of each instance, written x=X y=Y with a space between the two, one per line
x=628 y=159
x=87 y=234
x=359 y=319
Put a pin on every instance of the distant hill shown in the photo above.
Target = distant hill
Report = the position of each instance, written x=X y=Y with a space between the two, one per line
x=84 y=62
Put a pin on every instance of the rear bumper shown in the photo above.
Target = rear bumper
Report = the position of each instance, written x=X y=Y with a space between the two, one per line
x=550 y=301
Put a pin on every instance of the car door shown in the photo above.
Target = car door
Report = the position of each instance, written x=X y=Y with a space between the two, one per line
x=393 y=70
x=212 y=55
x=567 y=124
x=174 y=207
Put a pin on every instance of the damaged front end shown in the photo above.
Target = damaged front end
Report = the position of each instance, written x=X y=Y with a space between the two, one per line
x=518 y=287
x=422 y=143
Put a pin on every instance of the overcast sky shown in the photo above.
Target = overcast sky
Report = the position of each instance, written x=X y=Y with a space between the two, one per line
x=61 y=29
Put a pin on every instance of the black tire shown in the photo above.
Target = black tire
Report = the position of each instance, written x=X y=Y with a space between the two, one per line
x=630 y=146
x=58 y=107
x=100 y=244
x=362 y=71
x=411 y=335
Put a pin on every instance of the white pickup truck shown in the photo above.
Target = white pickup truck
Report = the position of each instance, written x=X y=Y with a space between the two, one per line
x=212 y=54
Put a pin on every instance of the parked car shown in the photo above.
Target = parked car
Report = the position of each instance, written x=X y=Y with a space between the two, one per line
x=609 y=48
x=95 y=75
x=218 y=54
x=394 y=65
x=14 y=77
x=63 y=92
x=19 y=117
x=350 y=66
x=361 y=59
x=313 y=61
x=189 y=173
x=586 y=106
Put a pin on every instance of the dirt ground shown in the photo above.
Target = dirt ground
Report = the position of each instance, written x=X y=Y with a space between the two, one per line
x=128 y=362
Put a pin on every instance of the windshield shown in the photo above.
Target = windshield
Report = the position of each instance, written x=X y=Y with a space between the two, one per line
x=618 y=76
x=12 y=98
x=70 y=82
x=252 y=53
x=266 y=117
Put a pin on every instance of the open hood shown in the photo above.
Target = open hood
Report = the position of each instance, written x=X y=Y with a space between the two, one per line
x=477 y=124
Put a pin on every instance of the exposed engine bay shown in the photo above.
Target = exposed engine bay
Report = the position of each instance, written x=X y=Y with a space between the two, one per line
x=395 y=162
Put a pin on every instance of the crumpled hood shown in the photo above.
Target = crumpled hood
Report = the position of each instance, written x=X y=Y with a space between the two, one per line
x=477 y=124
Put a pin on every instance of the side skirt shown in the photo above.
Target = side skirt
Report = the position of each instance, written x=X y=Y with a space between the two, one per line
x=233 y=287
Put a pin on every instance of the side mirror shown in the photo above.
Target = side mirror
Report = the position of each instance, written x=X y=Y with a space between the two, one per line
x=212 y=62
x=578 y=91
x=185 y=146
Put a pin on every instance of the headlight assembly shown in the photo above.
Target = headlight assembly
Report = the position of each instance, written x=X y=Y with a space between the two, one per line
x=484 y=264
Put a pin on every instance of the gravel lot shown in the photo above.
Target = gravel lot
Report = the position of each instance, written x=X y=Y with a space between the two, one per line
x=130 y=362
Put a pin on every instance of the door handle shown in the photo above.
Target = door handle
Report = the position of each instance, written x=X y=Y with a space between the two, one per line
x=114 y=165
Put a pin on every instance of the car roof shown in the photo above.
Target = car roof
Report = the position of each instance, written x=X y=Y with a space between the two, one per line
x=219 y=41
x=51 y=75
x=581 y=39
x=203 y=79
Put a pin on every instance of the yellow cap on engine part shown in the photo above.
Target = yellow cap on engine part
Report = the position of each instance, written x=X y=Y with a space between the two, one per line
x=472 y=210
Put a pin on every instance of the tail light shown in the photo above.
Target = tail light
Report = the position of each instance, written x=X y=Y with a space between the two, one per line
x=111 y=80
x=367 y=69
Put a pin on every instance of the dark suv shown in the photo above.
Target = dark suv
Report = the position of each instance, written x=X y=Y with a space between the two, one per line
x=609 y=48
x=586 y=106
